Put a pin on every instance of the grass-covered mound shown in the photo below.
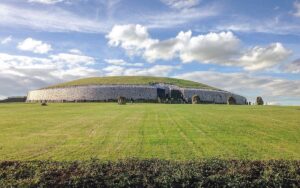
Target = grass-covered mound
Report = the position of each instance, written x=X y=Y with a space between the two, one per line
x=151 y=173
x=133 y=80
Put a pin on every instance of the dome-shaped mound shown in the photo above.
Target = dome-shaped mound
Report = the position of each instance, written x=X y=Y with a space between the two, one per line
x=133 y=88
x=134 y=80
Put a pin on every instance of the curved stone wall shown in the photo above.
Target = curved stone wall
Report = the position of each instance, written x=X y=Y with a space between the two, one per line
x=135 y=92
x=211 y=96
x=93 y=93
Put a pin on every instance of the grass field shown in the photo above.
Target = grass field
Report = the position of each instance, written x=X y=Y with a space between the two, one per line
x=80 y=131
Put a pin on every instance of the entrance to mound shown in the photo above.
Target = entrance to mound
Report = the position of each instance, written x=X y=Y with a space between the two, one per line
x=161 y=93
x=176 y=95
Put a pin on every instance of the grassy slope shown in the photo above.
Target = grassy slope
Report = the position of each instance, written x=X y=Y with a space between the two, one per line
x=136 y=80
x=109 y=131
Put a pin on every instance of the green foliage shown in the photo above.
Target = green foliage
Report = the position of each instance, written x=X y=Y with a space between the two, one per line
x=151 y=173
x=79 y=131
x=133 y=80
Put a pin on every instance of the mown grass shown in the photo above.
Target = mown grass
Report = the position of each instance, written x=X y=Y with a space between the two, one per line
x=133 y=80
x=107 y=131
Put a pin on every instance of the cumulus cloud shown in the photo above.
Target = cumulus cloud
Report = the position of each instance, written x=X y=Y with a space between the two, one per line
x=249 y=85
x=34 y=46
x=121 y=62
x=210 y=48
x=297 y=7
x=264 y=57
x=181 y=4
x=18 y=74
x=217 y=48
x=6 y=40
x=135 y=39
x=156 y=70
x=49 y=2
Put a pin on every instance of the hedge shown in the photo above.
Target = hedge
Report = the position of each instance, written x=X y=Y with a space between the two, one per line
x=150 y=173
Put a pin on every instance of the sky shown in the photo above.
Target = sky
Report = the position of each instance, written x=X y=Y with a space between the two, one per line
x=248 y=47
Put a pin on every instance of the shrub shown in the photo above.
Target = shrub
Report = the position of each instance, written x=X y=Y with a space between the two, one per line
x=150 y=173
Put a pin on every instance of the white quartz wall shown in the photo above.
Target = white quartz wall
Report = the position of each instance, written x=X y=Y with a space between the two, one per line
x=136 y=92
x=93 y=93
x=211 y=96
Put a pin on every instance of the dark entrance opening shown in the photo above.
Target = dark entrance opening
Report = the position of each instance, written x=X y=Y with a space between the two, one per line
x=176 y=94
x=161 y=93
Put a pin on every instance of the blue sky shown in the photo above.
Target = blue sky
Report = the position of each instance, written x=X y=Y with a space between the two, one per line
x=249 y=47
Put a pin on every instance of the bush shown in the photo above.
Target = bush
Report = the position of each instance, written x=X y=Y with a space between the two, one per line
x=150 y=173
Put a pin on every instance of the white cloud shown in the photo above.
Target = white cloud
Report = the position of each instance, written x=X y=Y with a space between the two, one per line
x=216 y=48
x=169 y=19
x=59 y=19
x=133 y=38
x=45 y=1
x=259 y=58
x=210 y=48
x=251 y=86
x=35 y=46
x=181 y=4
x=75 y=51
x=6 y=40
x=53 y=19
x=19 y=74
x=121 y=62
x=156 y=70
x=70 y=60
x=297 y=7
x=293 y=67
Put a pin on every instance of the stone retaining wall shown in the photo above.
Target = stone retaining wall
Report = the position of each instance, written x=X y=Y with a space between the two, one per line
x=135 y=92
x=211 y=96
x=93 y=93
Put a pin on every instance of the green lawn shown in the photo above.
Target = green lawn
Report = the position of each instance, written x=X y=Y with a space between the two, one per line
x=79 y=131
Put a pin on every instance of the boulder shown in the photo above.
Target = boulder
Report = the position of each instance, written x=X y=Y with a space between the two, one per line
x=121 y=100
x=195 y=99
x=259 y=101
x=231 y=100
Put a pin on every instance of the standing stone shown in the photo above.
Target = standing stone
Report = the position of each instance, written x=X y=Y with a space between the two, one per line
x=44 y=103
x=259 y=101
x=195 y=99
x=121 y=100
x=231 y=100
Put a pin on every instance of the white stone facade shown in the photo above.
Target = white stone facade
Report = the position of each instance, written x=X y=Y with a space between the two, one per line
x=135 y=92
x=212 y=96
